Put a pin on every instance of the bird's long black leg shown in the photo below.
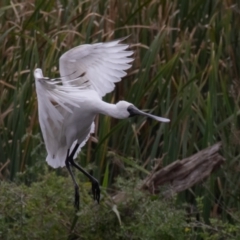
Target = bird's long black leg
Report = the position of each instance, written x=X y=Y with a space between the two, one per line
x=95 y=184
x=77 y=195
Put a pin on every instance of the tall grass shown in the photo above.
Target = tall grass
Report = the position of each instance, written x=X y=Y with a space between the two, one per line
x=186 y=68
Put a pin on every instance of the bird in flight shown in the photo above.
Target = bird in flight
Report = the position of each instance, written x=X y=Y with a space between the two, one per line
x=67 y=106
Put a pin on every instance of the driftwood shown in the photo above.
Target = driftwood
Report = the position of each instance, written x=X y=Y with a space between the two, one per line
x=181 y=174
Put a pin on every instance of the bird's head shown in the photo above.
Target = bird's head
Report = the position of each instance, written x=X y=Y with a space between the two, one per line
x=38 y=73
x=127 y=109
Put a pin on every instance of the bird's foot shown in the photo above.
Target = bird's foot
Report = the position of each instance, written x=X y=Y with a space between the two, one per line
x=96 y=190
x=77 y=198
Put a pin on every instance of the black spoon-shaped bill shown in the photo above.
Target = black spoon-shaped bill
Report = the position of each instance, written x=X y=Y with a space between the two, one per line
x=133 y=111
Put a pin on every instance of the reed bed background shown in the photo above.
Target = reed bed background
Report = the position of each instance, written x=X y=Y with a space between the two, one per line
x=186 y=68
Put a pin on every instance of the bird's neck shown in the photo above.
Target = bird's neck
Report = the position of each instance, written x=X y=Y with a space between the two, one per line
x=111 y=110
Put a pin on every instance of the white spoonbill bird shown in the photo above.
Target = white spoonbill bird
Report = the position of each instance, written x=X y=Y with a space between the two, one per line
x=68 y=105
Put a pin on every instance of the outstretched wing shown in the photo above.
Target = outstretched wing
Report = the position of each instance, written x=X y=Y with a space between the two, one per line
x=54 y=102
x=98 y=66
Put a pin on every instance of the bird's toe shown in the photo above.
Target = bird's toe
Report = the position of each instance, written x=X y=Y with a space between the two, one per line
x=96 y=191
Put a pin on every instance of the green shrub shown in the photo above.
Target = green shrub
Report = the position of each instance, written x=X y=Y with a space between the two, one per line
x=44 y=210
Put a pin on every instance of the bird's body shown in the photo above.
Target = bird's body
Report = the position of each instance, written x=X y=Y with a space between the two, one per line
x=68 y=105
x=76 y=126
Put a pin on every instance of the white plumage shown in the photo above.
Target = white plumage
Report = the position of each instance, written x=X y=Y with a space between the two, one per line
x=67 y=106
x=62 y=117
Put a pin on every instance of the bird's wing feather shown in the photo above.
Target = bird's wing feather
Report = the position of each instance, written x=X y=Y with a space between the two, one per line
x=53 y=103
x=98 y=66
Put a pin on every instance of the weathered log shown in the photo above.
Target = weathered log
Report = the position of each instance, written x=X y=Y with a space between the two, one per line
x=181 y=174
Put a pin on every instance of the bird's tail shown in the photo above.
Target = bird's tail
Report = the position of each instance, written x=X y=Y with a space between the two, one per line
x=57 y=160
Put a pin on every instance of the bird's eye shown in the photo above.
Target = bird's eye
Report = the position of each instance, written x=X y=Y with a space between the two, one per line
x=131 y=111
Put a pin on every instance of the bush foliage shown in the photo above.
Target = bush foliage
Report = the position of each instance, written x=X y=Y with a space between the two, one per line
x=44 y=210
